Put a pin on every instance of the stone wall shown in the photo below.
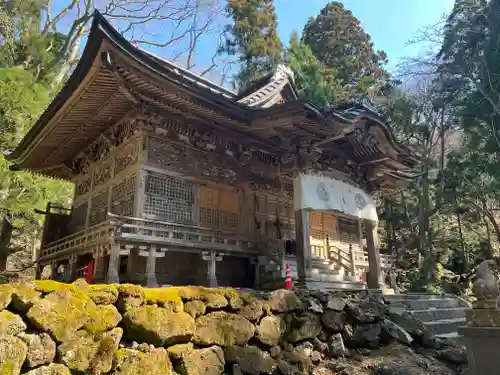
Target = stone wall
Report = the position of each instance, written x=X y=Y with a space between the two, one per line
x=49 y=328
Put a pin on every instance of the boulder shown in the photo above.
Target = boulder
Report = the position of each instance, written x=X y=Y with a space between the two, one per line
x=283 y=300
x=333 y=320
x=392 y=330
x=286 y=368
x=79 y=352
x=158 y=326
x=195 y=308
x=108 y=345
x=315 y=306
x=250 y=359
x=453 y=355
x=5 y=296
x=23 y=297
x=52 y=369
x=177 y=351
x=300 y=359
x=305 y=326
x=133 y=362
x=208 y=361
x=336 y=347
x=366 y=336
x=41 y=349
x=335 y=303
x=102 y=318
x=103 y=294
x=11 y=324
x=270 y=329
x=60 y=314
x=253 y=311
x=366 y=311
x=411 y=325
x=223 y=329
x=13 y=352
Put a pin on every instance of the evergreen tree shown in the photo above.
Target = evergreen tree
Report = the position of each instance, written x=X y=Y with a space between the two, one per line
x=337 y=39
x=253 y=37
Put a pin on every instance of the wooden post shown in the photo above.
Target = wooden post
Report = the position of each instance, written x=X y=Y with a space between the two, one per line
x=99 y=265
x=113 y=276
x=374 y=279
x=53 y=270
x=211 y=257
x=151 y=281
x=353 y=260
x=304 y=256
x=71 y=272
x=132 y=264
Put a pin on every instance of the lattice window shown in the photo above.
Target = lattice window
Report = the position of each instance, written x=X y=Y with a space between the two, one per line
x=78 y=218
x=99 y=207
x=167 y=209
x=123 y=196
x=219 y=208
x=348 y=229
x=170 y=187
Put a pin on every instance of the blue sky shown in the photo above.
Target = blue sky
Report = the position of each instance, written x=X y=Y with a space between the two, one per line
x=390 y=23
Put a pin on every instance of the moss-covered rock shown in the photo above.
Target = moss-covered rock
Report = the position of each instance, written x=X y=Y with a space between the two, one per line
x=134 y=362
x=283 y=301
x=158 y=326
x=52 y=369
x=5 y=296
x=270 y=330
x=131 y=290
x=108 y=345
x=23 y=297
x=102 y=318
x=168 y=298
x=208 y=361
x=212 y=298
x=224 y=329
x=253 y=311
x=41 y=349
x=103 y=294
x=10 y=324
x=50 y=286
x=77 y=353
x=177 y=351
x=60 y=314
x=250 y=359
x=12 y=355
x=305 y=326
x=195 y=308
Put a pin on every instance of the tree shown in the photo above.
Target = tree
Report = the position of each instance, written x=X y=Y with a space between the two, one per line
x=253 y=38
x=314 y=81
x=337 y=39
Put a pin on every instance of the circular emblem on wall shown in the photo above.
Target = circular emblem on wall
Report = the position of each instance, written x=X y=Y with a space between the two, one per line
x=360 y=201
x=323 y=193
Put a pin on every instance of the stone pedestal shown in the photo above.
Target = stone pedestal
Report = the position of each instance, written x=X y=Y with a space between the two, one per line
x=482 y=338
x=212 y=258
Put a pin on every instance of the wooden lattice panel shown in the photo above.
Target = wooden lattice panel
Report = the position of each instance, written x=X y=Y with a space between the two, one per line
x=209 y=197
x=219 y=208
x=127 y=156
x=169 y=198
x=123 y=196
x=166 y=156
x=98 y=207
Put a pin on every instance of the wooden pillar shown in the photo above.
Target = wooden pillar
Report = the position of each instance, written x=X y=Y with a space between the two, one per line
x=133 y=264
x=374 y=279
x=212 y=258
x=150 y=275
x=71 y=271
x=99 y=266
x=113 y=275
x=304 y=255
x=53 y=270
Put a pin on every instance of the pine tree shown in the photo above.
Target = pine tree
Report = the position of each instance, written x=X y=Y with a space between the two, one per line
x=253 y=37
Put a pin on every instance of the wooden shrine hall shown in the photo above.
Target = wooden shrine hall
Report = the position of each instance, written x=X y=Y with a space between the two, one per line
x=181 y=181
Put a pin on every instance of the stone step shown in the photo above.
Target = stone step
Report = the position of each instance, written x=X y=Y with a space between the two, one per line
x=443 y=326
x=423 y=304
x=336 y=285
x=415 y=296
x=453 y=337
x=431 y=314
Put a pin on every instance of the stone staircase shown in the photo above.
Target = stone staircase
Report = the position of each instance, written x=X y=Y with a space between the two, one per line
x=326 y=275
x=442 y=314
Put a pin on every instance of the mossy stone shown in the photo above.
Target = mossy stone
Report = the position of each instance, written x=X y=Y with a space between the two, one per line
x=270 y=329
x=158 y=326
x=103 y=294
x=213 y=298
x=164 y=297
x=52 y=369
x=108 y=345
x=195 y=308
x=223 y=329
x=5 y=295
x=253 y=311
x=250 y=359
x=41 y=349
x=131 y=290
x=78 y=352
x=101 y=318
x=11 y=324
x=134 y=362
x=305 y=326
x=50 y=286
x=126 y=303
x=13 y=352
x=207 y=361
x=23 y=297
x=177 y=351
x=60 y=314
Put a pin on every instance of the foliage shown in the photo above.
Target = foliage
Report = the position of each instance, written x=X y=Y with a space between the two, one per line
x=253 y=37
x=338 y=40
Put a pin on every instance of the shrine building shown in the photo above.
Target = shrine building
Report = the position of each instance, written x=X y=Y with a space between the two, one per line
x=181 y=181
